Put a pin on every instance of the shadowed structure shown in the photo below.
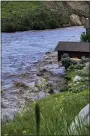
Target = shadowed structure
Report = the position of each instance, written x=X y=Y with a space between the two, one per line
x=73 y=49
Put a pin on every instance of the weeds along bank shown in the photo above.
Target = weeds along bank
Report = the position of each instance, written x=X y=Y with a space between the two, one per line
x=36 y=15
x=57 y=111
x=56 y=114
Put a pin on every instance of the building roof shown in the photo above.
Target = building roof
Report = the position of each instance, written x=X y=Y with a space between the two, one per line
x=73 y=46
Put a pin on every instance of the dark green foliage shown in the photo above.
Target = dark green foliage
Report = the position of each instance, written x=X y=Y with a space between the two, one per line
x=67 y=78
x=35 y=16
x=65 y=60
x=79 y=66
x=65 y=55
x=85 y=37
x=73 y=64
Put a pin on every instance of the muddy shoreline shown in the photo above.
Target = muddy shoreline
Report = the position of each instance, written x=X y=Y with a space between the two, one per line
x=44 y=78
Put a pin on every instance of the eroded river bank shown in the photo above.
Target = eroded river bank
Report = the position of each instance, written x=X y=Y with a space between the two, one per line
x=45 y=77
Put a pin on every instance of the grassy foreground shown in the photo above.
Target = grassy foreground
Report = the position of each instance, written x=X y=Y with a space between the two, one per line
x=56 y=112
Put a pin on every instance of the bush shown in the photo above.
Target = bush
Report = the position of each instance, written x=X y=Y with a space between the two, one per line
x=8 y=25
x=85 y=37
x=39 y=18
x=79 y=66
x=85 y=71
x=39 y=25
x=52 y=23
x=71 y=67
x=65 y=55
x=66 y=61
x=84 y=59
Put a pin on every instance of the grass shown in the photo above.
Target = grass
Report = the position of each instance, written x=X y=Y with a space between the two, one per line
x=28 y=15
x=71 y=74
x=16 y=8
x=56 y=111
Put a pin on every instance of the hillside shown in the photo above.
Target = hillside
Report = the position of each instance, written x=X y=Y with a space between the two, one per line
x=38 y=15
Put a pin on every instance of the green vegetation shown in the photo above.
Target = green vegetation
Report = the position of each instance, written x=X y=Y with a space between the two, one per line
x=78 y=69
x=85 y=37
x=66 y=61
x=56 y=112
x=20 y=16
x=29 y=15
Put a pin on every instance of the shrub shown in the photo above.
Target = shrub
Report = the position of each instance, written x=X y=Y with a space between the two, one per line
x=8 y=25
x=71 y=67
x=53 y=23
x=65 y=60
x=84 y=59
x=38 y=19
x=79 y=66
x=65 y=55
x=85 y=37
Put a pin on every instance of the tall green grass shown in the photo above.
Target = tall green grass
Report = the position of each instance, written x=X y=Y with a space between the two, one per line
x=56 y=114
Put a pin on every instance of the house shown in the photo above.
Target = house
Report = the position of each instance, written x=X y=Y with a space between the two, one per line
x=73 y=49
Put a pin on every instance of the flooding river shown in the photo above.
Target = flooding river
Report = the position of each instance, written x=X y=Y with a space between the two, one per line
x=21 y=49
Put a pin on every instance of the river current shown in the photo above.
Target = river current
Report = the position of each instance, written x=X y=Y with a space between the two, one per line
x=21 y=49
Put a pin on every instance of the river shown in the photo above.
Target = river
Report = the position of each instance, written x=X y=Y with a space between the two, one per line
x=21 y=49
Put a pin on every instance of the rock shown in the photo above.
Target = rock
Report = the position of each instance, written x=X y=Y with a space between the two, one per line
x=87 y=64
x=77 y=78
x=51 y=91
x=54 y=69
x=50 y=83
x=36 y=89
x=48 y=52
x=41 y=71
x=32 y=84
x=83 y=20
x=8 y=114
x=79 y=7
x=38 y=83
x=82 y=119
x=58 y=71
x=56 y=91
x=42 y=94
x=3 y=105
x=75 y=20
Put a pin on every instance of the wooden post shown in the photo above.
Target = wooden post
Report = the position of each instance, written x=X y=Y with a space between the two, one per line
x=87 y=26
